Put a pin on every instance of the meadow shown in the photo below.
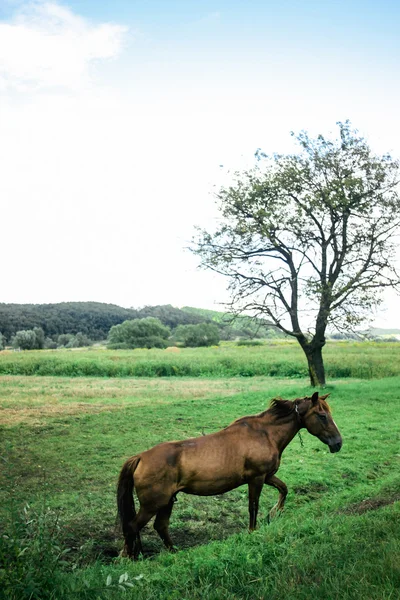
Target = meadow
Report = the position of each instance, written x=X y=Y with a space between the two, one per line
x=273 y=359
x=63 y=440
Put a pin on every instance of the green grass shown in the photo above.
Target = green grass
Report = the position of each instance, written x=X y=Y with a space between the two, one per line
x=63 y=441
x=364 y=360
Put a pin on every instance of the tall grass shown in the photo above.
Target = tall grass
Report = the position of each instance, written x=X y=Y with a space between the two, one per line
x=31 y=553
x=364 y=360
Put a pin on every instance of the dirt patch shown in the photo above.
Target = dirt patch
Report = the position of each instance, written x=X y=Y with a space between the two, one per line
x=310 y=489
x=370 y=504
x=35 y=415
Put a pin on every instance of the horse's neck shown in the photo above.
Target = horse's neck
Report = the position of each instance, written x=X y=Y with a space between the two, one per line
x=281 y=431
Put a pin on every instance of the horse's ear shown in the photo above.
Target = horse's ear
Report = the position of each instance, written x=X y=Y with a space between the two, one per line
x=324 y=397
x=314 y=398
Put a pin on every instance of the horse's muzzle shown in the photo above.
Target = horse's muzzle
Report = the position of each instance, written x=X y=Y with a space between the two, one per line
x=335 y=445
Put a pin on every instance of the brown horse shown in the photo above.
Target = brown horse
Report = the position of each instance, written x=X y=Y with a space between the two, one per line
x=247 y=451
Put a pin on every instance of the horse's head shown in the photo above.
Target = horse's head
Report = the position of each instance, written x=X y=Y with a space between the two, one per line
x=319 y=422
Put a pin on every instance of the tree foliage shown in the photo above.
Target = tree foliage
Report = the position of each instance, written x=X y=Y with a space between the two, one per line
x=307 y=239
x=171 y=316
x=29 y=339
x=139 y=333
x=93 y=319
x=203 y=334
x=232 y=326
x=80 y=340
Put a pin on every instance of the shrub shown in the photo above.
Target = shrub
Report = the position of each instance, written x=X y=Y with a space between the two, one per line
x=80 y=340
x=50 y=344
x=203 y=334
x=29 y=339
x=64 y=339
x=139 y=333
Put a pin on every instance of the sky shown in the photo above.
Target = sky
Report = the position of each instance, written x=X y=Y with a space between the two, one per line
x=115 y=119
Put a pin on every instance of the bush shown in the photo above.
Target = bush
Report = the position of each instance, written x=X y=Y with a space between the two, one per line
x=50 y=344
x=64 y=339
x=249 y=343
x=203 y=334
x=29 y=339
x=139 y=333
x=2 y=341
x=344 y=336
x=80 y=340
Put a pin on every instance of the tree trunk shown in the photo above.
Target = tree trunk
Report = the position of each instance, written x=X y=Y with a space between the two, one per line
x=316 y=369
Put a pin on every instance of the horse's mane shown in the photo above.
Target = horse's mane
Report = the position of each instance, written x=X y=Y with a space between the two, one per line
x=278 y=408
x=281 y=408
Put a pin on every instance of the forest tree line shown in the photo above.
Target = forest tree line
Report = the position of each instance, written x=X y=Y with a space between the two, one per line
x=79 y=323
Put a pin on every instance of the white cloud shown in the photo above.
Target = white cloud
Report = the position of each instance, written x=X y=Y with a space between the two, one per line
x=47 y=45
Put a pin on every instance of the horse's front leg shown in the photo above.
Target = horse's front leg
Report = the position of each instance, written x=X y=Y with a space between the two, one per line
x=255 y=487
x=282 y=488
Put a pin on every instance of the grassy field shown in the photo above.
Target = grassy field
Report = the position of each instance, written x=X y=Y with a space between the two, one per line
x=276 y=359
x=64 y=439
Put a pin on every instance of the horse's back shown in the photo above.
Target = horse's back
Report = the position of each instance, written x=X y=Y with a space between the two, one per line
x=205 y=465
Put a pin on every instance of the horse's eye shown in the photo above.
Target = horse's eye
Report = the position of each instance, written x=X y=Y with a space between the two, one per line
x=323 y=417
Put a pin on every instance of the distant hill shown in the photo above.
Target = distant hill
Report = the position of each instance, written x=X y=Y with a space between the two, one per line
x=212 y=315
x=233 y=327
x=172 y=316
x=95 y=319
x=381 y=331
x=91 y=318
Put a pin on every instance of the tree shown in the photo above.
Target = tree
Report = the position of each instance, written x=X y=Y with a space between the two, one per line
x=39 y=334
x=203 y=334
x=29 y=339
x=307 y=239
x=64 y=339
x=93 y=319
x=139 y=333
x=80 y=340
x=170 y=316
x=50 y=344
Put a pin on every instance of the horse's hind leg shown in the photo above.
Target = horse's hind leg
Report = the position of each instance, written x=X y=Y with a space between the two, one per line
x=133 y=543
x=162 y=522
x=282 y=488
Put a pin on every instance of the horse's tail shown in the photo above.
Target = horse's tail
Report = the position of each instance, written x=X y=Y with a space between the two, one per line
x=125 y=502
